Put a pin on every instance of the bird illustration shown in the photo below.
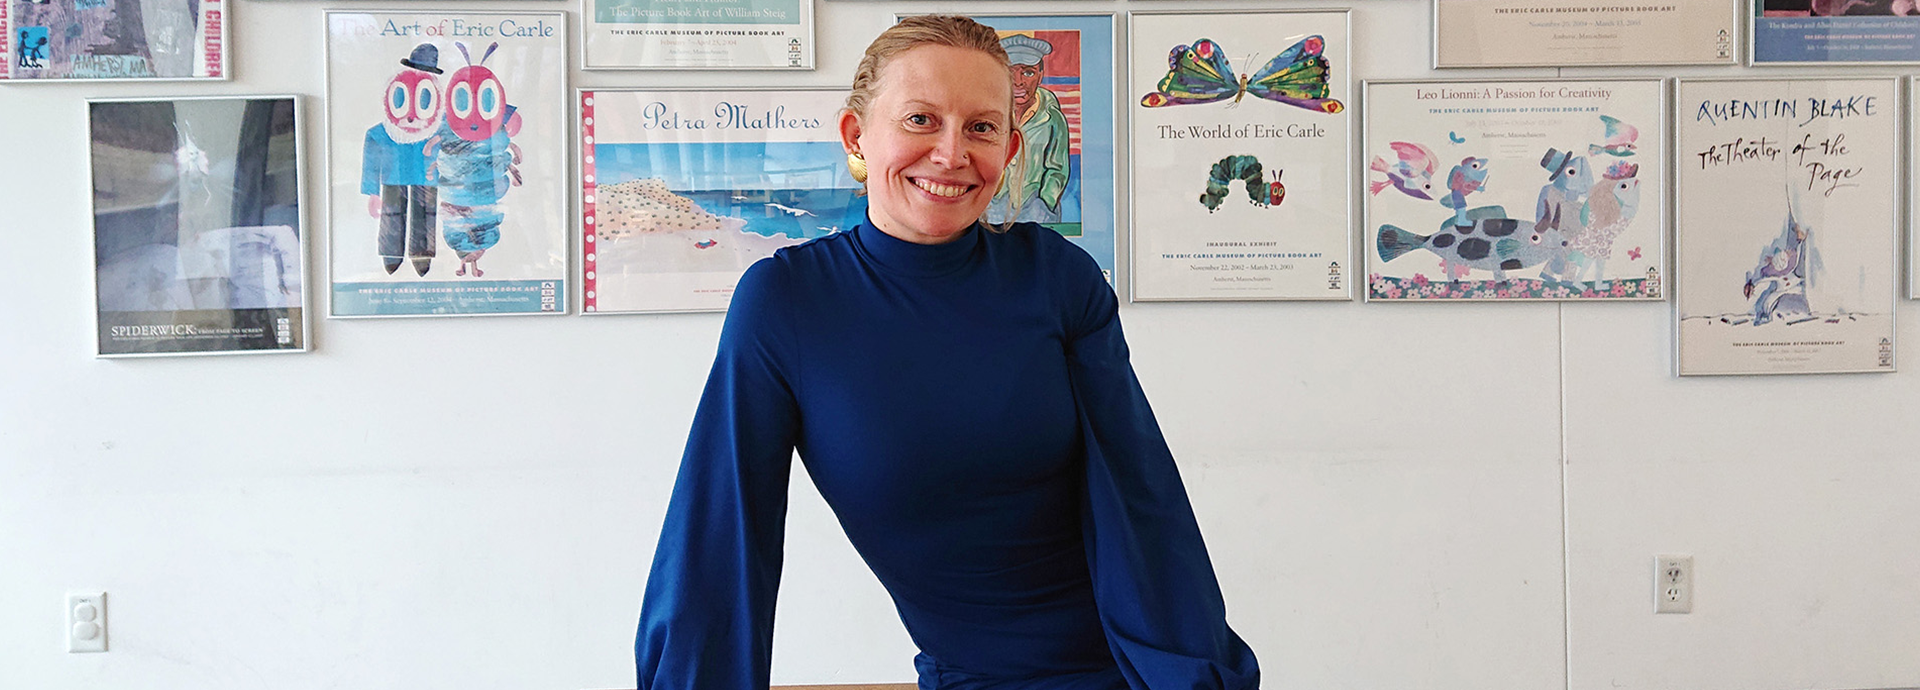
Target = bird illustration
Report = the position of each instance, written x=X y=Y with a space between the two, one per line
x=1620 y=138
x=1456 y=138
x=1466 y=178
x=1411 y=172
x=790 y=210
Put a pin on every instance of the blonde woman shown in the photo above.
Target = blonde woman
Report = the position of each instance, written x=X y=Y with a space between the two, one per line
x=962 y=398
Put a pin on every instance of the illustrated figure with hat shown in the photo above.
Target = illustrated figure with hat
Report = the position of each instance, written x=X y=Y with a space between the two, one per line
x=1034 y=185
x=396 y=161
x=1562 y=201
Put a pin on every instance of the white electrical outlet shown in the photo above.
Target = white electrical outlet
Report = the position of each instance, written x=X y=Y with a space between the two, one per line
x=87 y=622
x=1672 y=584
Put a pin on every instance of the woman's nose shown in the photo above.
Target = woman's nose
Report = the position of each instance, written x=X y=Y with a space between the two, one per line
x=950 y=148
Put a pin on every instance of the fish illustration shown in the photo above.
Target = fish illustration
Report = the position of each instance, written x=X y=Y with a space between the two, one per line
x=1199 y=73
x=789 y=209
x=1620 y=138
x=1411 y=171
x=705 y=244
x=1490 y=242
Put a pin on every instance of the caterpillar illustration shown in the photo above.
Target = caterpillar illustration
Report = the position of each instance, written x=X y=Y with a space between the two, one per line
x=1260 y=192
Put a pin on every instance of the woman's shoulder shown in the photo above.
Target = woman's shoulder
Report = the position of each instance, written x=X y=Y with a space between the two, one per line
x=1053 y=252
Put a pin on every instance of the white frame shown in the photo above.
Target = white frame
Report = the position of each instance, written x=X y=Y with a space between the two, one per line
x=226 y=52
x=305 y=231
x=1676 y=282
x=1124 y=103
x=809 y=25
x=1735 y=26
x=1665 y=230
x=326 y=170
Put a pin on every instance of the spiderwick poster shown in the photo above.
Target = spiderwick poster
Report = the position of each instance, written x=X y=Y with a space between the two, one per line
x=447 y=163
x=1786 y=225
x=1516 y=190
x=62 y=40
x=1063 y=81
x=198 y=233
x=681 y=191
x=1240 y=171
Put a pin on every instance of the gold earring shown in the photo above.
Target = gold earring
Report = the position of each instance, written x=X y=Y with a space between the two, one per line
x=857 y=166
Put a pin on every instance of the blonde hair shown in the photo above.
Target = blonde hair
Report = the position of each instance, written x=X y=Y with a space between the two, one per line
x=951 y=30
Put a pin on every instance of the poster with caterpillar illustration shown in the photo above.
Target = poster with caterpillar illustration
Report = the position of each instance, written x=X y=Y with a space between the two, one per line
x=1239 y=160
x=1515 y=190
x=1786 y=225
x=447 y=163
x=681 y=191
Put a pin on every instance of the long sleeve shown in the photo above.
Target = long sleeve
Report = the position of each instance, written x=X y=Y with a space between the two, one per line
x=373 y=156
x=707 y=621
x=1158 y=599
x=1053 y=183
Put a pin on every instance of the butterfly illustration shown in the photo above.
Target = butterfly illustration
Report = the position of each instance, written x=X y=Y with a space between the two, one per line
x=1634 y=254
x=1199 y=73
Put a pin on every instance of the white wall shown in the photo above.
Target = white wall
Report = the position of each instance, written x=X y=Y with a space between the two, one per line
x=1454 y=497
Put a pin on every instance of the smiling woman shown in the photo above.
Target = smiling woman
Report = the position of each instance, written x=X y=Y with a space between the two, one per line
x=963 y=400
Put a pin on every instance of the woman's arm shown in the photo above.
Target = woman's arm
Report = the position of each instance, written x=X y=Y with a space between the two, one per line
x=707 y=622
x=1159 y=601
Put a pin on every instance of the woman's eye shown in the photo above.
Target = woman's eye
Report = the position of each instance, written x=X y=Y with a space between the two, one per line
x=985 y=128
x=919 y=119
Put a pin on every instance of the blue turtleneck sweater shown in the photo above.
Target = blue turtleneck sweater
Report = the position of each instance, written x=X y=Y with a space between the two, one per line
x=969 y=413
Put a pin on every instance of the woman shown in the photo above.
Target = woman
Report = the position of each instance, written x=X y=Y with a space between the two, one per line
x=962 y=399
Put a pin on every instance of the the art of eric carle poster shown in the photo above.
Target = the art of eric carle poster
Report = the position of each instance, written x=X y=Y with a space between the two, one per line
x=1834 y=32
x=447 y=163
x=1515 y=190
x=1240 y=168
x=56 y=40
x=1786 y=223
x=1063 y=80
x=681 y=191
x=698 y=34
x=198 y=234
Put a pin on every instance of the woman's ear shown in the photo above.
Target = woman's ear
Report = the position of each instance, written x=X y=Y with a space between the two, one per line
x=1013 y=151
x=850 y=130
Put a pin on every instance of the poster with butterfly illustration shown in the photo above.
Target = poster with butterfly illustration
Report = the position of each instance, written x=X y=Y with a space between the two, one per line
x=1564 y=33
x=198 y=231
x=91 y=40
x=681 y=191
x=1786 y=225
x=1515 y=190
x=447 y=163
x=1239 y=125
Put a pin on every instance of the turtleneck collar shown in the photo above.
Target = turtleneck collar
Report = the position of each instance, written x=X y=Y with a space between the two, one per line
x=899 y=255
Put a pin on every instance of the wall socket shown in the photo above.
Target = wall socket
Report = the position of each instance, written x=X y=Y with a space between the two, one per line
x=1673 y=583
x=87 y=622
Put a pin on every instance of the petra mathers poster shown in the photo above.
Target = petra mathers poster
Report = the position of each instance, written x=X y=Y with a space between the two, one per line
x=1785 y=225
x=1240 y=184
x=447 y=163
x=681 y=191
x=1516 y=190
x=112 y=39
x=197 y=232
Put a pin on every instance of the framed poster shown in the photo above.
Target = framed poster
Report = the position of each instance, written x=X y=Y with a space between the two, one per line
x=1240 y=179
x=198 y=231
x=1581 y=33
x=1786 y=217
x=697 y=34
x=74 y=40
x=1516 y=190
x=447 y=163
x=681 y=191
x=1063 y=81
x=1834 y=32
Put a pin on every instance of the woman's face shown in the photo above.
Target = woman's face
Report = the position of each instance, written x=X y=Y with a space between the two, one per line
x=936 y=139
